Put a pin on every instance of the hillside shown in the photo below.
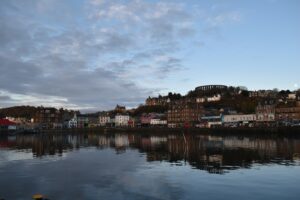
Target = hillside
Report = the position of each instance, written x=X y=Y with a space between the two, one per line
x=19 y=111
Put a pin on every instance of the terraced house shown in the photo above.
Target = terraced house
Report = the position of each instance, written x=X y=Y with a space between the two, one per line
x=184 y=112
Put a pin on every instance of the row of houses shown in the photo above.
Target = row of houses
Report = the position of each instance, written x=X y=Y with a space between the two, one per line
x=267 y=115
x=119 y=120
x=206 y=106
x=189 y=113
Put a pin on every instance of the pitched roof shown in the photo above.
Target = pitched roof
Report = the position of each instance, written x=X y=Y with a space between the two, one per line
x=6 y=122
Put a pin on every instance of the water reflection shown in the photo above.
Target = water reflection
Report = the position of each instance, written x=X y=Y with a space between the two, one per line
x=215 y=154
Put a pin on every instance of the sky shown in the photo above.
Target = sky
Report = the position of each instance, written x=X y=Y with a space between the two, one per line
x=90 y=55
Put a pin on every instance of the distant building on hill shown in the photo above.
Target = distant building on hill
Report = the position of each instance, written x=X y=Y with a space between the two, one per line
x=157 y=101
x=292 y=96
x=263 y=94
x=120 y=109
x=210 y=87
x=213 y=98
x=208 y=91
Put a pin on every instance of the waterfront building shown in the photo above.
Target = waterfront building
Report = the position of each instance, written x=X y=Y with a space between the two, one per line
x=146 y=118
x=210 y=121
x=47 y=117
x=265 y=112
x=104 y=119
x=93 y=121
x=18 y=120
x=82 y=121
x=6 y=124
x=184 y=112
x=158 y=122
x=111 y=122
x=21 y=122
x=239 y=119
x=72 y=123
x=288 y=111
x=121 y=120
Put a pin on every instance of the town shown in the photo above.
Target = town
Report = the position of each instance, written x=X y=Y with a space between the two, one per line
x=208 y=106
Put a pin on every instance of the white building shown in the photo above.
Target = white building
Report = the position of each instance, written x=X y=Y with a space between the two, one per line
x=209 y=99
x=200 y=100
x=292 y=96
x=158 y=122
x=104 y=120
x=72 y=123
x=214 y=98
x=239 y=118
x=121 y=120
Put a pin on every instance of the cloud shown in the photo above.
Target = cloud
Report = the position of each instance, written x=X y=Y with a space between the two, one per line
x=223 y=18
x=5 y=98
x=91 y=54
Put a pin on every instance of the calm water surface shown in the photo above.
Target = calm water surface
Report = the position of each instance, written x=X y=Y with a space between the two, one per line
x=137 y=166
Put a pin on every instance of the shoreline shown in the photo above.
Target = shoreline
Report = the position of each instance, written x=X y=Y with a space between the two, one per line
x=269 y=131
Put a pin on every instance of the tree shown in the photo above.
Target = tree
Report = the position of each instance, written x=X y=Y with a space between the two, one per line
x=243 y=88
x=245 y=93
x=149 y=109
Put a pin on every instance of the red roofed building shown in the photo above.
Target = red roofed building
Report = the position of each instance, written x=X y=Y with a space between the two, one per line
x=5 y=124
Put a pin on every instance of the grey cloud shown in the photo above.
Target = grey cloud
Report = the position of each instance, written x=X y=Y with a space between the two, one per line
x=186 y=32
x=162 y=30
x=171 y=64
x=5 y=98
x=16 y=75
x=92 y=54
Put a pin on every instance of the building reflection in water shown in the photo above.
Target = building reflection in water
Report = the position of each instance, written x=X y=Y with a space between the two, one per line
x=215 y=154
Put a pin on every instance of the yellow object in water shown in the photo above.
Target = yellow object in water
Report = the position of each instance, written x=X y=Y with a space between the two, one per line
x=37 y=197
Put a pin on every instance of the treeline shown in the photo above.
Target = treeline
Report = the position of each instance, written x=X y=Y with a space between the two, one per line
x=149 y=109
x=19 y=111
x=26 y=111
